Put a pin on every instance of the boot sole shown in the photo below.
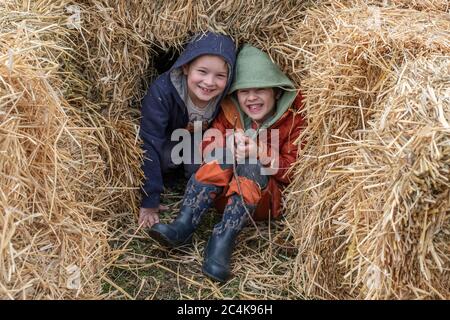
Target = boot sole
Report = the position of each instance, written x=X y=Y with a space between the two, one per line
x=163 y=240
x=210 y=275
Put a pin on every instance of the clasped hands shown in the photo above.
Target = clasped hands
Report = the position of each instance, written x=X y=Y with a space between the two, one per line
x=243 y=146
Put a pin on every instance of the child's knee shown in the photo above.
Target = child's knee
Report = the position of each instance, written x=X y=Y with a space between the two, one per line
x=223 y=156
x=253 y=172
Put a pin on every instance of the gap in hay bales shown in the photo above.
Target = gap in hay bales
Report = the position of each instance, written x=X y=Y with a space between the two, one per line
x=164 y=58
x=147 y=270
x=262 y=271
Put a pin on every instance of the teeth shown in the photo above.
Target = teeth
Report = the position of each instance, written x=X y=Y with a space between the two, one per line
x=206 y=90
x=255 y=107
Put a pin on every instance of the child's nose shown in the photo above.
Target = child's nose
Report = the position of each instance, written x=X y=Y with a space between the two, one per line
x=209 y=79
x=252 y=95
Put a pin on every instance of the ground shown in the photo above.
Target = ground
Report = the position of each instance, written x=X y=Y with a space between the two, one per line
x=147 y=270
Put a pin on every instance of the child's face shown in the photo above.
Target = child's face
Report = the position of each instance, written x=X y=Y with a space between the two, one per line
x=206 y=78
x=257 y=103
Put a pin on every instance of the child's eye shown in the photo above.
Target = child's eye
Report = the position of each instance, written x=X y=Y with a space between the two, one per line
x=202 y=71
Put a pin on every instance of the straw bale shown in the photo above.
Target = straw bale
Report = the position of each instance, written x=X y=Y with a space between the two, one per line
x=407 y=163
x=123 y=36
x=421 y=5
x=53 y=246
x=377 y=111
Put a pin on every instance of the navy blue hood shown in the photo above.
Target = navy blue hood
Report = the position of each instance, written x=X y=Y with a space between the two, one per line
x=163 y=109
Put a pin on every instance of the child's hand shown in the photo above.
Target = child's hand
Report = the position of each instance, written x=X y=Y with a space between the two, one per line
x=190 y=127
x=149 y=216
x=238 y=142
x=246 y=148
x=252 y=148
x=240 y=152
x=239 y=137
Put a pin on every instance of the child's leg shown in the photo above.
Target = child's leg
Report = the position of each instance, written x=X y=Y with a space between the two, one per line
x=243 y=199
x=194 y=159
x=166 y=157
x=201 y=190
x=216 y=170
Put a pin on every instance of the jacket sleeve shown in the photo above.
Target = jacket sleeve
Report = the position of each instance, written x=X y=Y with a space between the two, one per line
x=211 y=141
x=288 y=153
x=289 y=148
x=154 y=121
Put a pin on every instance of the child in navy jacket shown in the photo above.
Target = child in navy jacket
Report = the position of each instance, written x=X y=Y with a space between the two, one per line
x=189 y=92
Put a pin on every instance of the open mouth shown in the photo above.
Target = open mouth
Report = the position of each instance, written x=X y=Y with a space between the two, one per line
x=255 y=108
x=206 y=91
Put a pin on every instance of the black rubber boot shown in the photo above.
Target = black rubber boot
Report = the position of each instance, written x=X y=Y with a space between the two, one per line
x=198 y=198
x=221 y=244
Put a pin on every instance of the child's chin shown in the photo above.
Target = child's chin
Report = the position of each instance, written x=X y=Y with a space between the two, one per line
x=253 y=117
x=205 y=101
x=207 y=98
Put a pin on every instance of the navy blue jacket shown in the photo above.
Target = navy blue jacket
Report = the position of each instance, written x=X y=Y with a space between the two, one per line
x=163 y=110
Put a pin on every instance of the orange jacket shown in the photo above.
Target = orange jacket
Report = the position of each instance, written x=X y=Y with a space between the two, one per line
x=289 y=125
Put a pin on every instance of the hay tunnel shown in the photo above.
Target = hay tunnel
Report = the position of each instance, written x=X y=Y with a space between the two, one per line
x=366 y=217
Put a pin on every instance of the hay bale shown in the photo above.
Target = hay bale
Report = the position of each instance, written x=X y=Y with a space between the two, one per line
x=52 y=172
x=363 y=228
x=115 y=65
x=407 y=158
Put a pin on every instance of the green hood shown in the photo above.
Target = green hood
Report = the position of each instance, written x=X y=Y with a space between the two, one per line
x=254 y=69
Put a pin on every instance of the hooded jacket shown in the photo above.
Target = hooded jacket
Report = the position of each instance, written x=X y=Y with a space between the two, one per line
x=164 y=110
x=254 y=69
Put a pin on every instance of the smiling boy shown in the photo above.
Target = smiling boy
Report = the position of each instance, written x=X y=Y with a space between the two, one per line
x=190 y=91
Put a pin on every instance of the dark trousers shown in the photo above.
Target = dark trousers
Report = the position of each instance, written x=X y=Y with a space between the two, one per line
x=167 y=163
